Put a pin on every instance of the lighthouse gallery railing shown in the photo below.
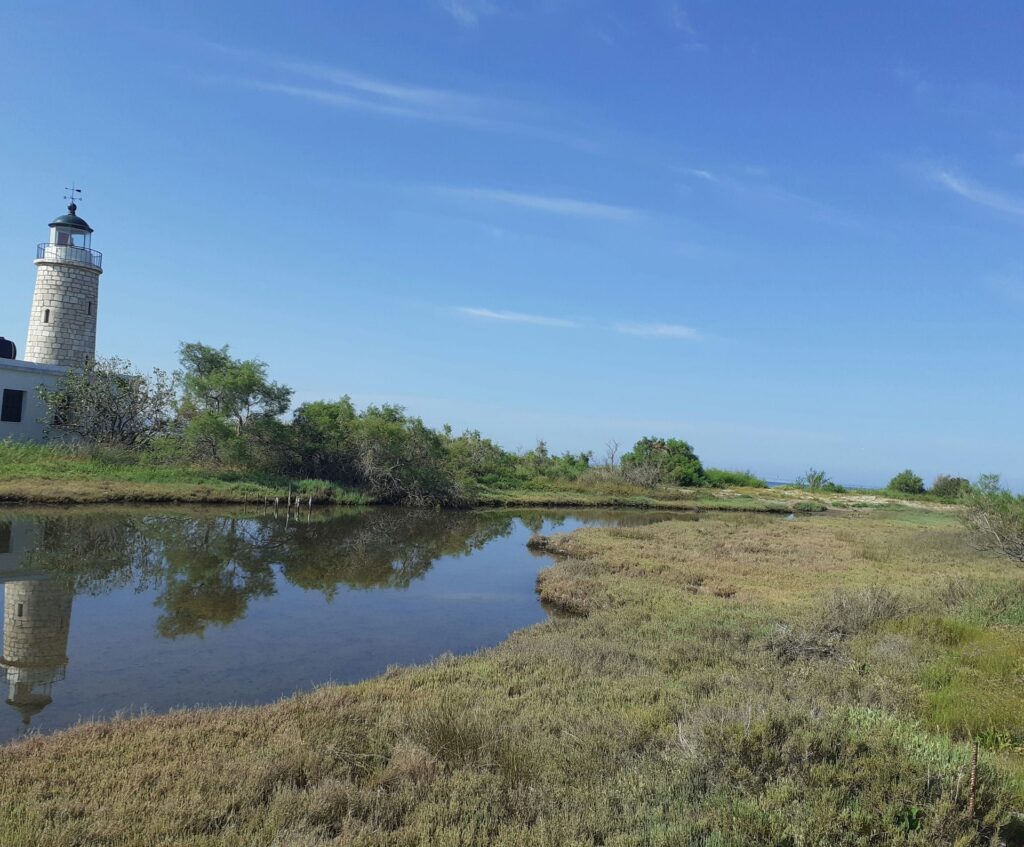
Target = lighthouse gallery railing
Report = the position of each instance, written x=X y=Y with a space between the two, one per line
x=67 y=253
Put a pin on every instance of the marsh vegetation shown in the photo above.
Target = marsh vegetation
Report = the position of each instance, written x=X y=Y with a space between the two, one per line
x=740 y=679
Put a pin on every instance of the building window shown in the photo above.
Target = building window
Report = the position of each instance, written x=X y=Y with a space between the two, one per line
x=13 y=401
x=21 y=609
x=5 y=537
x=90 y=308
x=46 y=316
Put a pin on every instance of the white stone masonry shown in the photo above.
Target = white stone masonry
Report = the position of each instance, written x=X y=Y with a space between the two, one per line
x=62 y=325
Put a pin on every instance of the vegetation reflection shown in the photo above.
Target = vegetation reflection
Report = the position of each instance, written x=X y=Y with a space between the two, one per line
x=206 y=569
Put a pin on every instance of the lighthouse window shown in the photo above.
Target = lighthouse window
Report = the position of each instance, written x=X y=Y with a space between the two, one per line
x=13 y=401
x=21 y=609
x=90 y=307
x=46 y=316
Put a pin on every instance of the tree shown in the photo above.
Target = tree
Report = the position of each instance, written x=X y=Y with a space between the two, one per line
x=672 y=459
x=108 y=402
x=906 y=482
x=324 y=439
x=234 y=389
x=229 y=405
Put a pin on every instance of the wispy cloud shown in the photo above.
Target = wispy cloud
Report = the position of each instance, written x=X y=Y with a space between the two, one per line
x=700 y=173
x=681 y=23
x=516 y=317
x=660 y=331
x=568 y=206
x=752 y=191
x=344 y=88
x=334 y=98
x=649 y=330
x=979 y=194
x=468 y=12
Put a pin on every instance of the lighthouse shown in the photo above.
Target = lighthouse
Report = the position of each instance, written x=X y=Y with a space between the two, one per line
x=62 y=324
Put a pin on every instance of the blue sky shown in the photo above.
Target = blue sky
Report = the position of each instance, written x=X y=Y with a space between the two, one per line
x=791 y=233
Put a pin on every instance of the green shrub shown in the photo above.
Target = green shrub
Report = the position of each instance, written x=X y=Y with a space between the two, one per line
x=672 y=458
x=906 y=482
x=950 y=486
x=718 y=478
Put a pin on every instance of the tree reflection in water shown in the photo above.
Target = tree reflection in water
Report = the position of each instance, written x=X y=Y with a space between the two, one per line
x=206 y=568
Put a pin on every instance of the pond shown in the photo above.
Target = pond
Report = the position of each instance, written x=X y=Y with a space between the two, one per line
x=115 y=611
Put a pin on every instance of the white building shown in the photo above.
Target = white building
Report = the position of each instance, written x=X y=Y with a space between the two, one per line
x=61 y=327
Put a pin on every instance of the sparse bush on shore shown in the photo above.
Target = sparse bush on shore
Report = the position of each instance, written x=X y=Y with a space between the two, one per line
x=717 y=478
x=818 y=480
x=997 y=522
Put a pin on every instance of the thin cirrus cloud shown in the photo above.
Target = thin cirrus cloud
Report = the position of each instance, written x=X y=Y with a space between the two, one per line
x=754 y=193
x=658 y=330
x=650 y=330
x=980 y=194
x=468 y=12
x=555 y=205
x=516 y=317
x=343 y=88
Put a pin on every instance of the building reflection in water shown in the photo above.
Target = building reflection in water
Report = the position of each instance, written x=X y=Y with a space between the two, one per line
x=37 y=619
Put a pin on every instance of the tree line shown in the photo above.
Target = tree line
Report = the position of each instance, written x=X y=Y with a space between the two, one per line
x=220 y=411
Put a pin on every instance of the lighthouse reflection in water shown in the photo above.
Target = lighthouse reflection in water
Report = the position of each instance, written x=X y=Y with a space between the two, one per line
x=37 y=620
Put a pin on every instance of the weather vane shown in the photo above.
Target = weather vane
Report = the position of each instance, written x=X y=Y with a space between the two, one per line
x=73 y=194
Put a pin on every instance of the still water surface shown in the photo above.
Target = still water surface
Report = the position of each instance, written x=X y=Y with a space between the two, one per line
x=111 y=611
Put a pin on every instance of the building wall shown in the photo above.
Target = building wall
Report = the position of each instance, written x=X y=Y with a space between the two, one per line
x=70 y=292
x=27 y=376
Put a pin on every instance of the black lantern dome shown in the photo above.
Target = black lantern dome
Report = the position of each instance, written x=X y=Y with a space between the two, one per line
x=71 y=220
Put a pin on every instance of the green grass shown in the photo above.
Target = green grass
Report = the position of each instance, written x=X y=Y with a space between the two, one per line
x=732 y=680
x=67 y=474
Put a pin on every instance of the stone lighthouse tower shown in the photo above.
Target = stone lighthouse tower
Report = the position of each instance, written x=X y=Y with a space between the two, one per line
x=62 y=325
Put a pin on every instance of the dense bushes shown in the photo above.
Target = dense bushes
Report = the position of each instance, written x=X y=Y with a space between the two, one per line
x=671 y=459
x=906 y=482
x=950 y=486
x=219 y=412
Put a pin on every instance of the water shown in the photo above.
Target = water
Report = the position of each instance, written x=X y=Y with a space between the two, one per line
x=111 y=611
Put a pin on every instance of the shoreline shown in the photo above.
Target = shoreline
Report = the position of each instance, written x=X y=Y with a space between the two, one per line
x=627 y=703
x=62 y=492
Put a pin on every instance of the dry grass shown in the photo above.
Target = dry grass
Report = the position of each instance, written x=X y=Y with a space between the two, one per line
x=661 y=717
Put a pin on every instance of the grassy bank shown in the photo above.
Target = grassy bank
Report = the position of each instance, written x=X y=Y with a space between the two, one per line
x=734 y=680
x=50 y=474
x=31 y=473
